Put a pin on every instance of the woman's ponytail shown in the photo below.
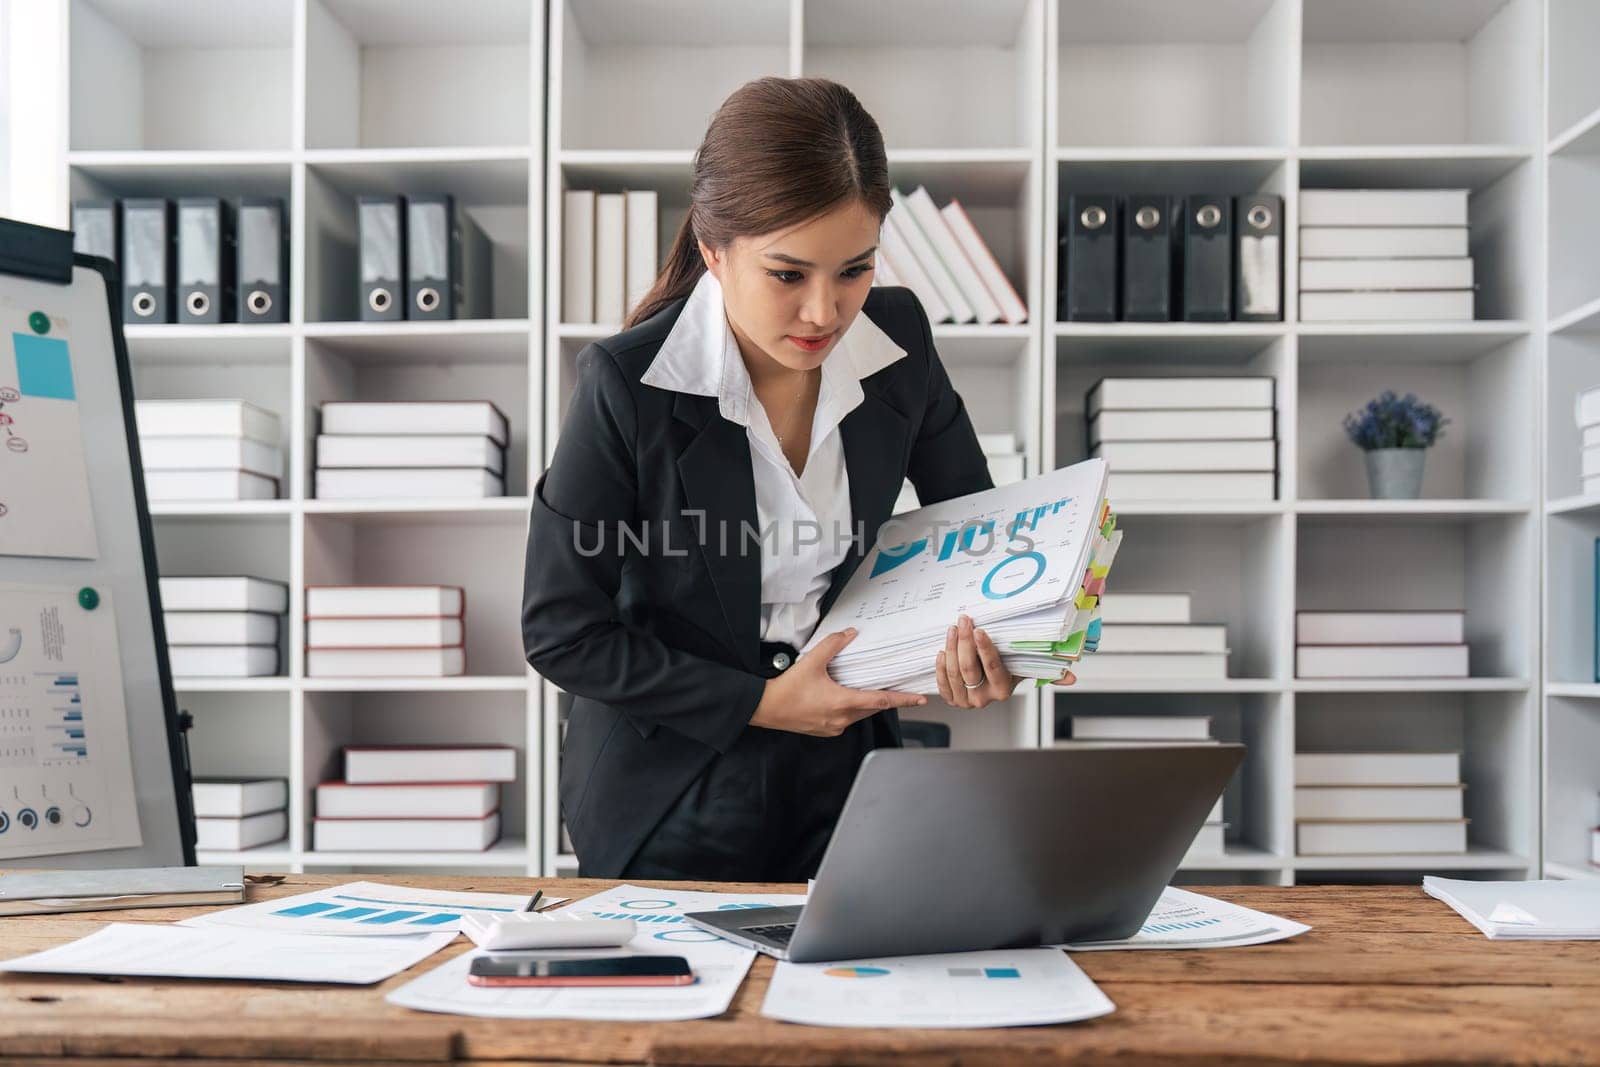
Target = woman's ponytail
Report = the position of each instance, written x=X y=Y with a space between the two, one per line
x=677 y=279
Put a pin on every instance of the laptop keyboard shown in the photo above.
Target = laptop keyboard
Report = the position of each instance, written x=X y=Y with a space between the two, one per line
x=778 y=934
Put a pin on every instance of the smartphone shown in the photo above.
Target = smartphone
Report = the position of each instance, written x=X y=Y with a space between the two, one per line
x=503 y=971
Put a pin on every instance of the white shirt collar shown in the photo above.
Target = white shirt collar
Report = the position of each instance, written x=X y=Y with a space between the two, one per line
x=701 y=356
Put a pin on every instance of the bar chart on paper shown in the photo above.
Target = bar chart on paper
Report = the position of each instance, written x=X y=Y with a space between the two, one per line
x=359 y=909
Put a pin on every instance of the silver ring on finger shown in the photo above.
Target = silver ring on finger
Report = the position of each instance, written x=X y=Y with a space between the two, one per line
x=972 y=685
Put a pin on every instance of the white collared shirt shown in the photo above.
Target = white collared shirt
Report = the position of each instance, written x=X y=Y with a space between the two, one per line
x=805 y=519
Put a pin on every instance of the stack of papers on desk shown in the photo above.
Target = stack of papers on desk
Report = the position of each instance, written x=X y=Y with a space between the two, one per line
x=366 y=909
x=155 y=951
x=719 y=966
x=1182 y=919
x=1523 y=911
x=1008 y=987
x=1028 y=562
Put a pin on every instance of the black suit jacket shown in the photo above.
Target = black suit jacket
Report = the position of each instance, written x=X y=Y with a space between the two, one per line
x=656 y=635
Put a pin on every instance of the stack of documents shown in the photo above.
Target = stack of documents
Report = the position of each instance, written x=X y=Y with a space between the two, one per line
x=1028 y=562
x=1523 y=911
x=394 y=631
x=609 y=253
x=234 y=814
x=1384 y=255
x=426 y=798
x=223 y=626
x=1186 y=438
x=1359 y=803
x=1380 y=644
x=439 y=449
x=208 y=450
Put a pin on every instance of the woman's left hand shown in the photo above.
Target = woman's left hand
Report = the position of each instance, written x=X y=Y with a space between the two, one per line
x=970 y=656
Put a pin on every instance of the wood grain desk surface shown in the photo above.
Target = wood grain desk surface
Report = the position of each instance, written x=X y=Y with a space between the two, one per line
x=1387 y=975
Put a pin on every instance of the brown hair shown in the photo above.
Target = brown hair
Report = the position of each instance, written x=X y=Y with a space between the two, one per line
x=778 y=152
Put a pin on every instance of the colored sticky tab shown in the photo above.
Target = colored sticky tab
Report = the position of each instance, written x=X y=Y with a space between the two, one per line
x=1094 y=586
x=44 y=368
x=1099 y=570
x=1086 y=602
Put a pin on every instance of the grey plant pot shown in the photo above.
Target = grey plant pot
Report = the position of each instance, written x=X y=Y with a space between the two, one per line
x=1395 y=473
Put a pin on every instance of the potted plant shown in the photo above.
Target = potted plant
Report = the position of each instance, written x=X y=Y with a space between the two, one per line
x=1395 y=433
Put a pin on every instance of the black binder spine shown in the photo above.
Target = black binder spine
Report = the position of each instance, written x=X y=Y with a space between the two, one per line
x=1147 y=259
x=1091 y=254
x=1207 y=259
x=97 y=228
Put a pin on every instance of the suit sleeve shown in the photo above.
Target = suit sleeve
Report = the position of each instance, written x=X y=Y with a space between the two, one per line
x=571 y=631
x=946 y=460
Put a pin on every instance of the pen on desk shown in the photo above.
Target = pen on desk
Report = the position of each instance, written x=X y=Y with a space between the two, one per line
x=533 y=901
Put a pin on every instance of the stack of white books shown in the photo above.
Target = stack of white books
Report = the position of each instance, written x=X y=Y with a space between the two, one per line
x=208 y=450
x=385 y=631
x=1007 y=464
x=1542 y=910
x=411 y=449
x=423 y=798
x=1380 y=644
x=223 y=627
x=939 y=255
x=1587 y=411
x=1150 y=635
x=1123 y=730
x=233 y=814
x=1370 y=803
x=1027 y=562
x=610 y=253
x=1384 y=255
x=1192 y=439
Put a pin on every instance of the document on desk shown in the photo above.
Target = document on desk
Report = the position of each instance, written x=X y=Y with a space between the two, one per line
x=1539 y=910
x=719 y=966
x=957 y=990
x=1182 y=919
x=159 y=951
x=365 y=909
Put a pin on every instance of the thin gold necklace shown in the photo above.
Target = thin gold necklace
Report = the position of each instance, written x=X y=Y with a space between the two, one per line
x=794 y=412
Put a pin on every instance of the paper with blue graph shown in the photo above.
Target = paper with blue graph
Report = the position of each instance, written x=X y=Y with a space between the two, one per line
x=366 y=909
x=1182 y=919
x=1006 y=987
x=719 y=966
x=1027 y=561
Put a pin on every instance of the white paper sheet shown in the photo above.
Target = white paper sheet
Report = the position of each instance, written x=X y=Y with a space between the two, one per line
x=45 y=508
x=719 y=966
x=65 y=765
x=1182 y=919
x=1537 y=910
x=366 y=909
x=157 y=951
x=1010 y=987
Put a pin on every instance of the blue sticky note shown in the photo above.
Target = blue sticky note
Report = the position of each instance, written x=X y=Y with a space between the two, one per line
x=44 y=368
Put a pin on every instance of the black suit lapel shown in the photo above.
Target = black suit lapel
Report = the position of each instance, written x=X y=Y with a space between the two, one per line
x=718 y=483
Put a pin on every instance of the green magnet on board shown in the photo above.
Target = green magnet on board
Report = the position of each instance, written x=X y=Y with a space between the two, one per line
x=40 y=322
x=88 y=599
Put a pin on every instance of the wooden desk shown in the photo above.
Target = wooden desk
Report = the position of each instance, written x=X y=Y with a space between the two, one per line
x=1387 y=975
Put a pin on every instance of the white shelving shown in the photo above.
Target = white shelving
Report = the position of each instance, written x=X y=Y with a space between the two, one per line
x=1570 y=789
x=1010 y=106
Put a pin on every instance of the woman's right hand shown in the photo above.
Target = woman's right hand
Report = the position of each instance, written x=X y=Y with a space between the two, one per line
x=806 y=700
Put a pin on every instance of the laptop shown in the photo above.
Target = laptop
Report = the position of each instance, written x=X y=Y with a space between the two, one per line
x=953 y=851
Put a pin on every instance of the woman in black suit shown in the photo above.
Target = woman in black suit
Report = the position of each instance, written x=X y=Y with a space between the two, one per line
x=724 y=464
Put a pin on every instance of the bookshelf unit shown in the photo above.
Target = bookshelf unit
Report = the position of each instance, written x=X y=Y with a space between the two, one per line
x=1009 y=106
x=1571 y=522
